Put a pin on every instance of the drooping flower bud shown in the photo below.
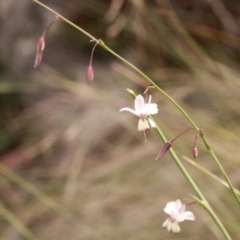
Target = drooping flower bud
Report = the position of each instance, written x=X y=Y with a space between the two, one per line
x=169 y=144
x=40 y=48
x=165 y=148
x=195 y=152
x=90 y=71
x=41 y=44
x=89 y=75
x=195 y=149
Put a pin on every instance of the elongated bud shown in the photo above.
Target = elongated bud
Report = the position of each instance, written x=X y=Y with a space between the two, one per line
x=41 y=44
x=195 y=152
x=165 y=148
x=89 y=75
x=40 y=48
x=90 y=71
x=169 y=144
x=132 y=93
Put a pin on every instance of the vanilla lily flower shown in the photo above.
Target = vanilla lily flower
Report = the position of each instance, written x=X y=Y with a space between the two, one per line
x=142 y=110
x=177 y=213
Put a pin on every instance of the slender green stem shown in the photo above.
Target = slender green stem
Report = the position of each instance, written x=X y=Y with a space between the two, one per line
x=220 y=166
x=65 y=20
x=5 y=213
x=91 y=58
x=198 y=166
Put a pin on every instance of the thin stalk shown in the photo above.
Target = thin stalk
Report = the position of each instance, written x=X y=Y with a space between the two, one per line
x=46 y=200
x=172 y=140
x=48 y=27
x=91 y=58
x=65 y=20
x=224 y=183
x=220 y=166
x=16 y=223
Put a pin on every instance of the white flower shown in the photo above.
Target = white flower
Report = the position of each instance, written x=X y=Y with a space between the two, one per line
x=142 y=110
x=177 y=213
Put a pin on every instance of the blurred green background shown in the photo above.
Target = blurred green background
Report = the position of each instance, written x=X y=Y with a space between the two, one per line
x=77 y=168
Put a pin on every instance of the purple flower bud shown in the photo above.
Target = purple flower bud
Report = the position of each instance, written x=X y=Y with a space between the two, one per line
x=195 y=152
x=40 y=48
x=89 y=75
x=165 y=148
x=41 y=44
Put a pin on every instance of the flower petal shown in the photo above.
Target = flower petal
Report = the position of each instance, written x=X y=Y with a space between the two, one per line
x=175 y=214
x=175 y=227
x=178 y=204
x=143 y=112
x=143 y=125
x=166 y=223
x=152 y=108
x=182 y=209
x=186 y=216
x=152 y=124
x=139 y=103
x=169 y=207
x=169 y=226
x=129 y=110
x=147 y=110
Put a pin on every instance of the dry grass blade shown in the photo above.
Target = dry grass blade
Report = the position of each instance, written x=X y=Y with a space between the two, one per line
x=210 y=174
x=46 y=200
x=16 y=223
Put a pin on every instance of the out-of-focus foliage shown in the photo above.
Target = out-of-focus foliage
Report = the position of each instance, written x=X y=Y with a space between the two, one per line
x=91 y=175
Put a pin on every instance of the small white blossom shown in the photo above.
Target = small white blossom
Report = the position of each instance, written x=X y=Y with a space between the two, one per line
x=177 y=213
x=142 y=110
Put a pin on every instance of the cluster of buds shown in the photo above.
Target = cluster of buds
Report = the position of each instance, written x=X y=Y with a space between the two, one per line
x=168 y=145
x=41 y=46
